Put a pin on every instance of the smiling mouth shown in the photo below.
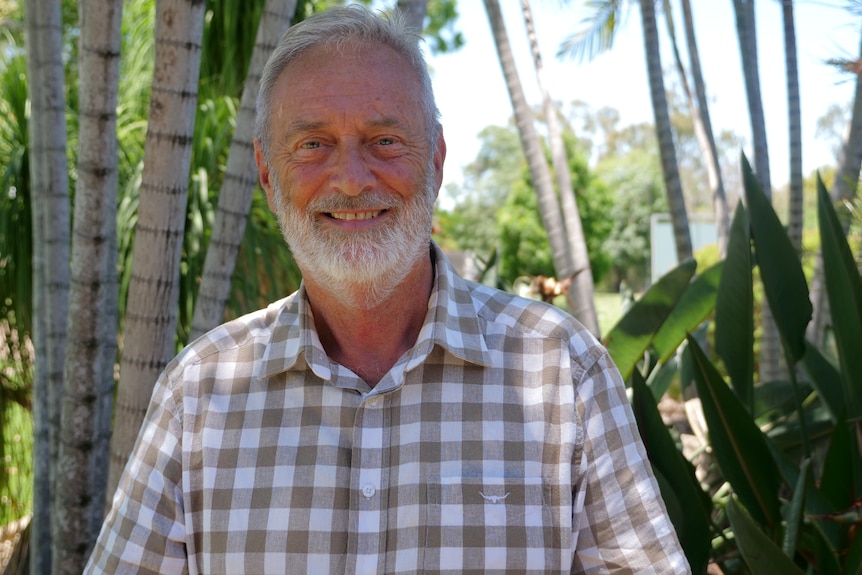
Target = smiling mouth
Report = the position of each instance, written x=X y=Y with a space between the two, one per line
x=349 y=216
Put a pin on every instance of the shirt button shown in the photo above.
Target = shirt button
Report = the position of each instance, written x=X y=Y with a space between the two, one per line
x=368 y=490
x=373 y=401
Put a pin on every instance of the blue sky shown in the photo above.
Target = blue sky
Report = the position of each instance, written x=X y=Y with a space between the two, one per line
x=471 y=92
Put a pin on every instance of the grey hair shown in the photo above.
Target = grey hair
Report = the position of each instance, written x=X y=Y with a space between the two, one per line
x=332 y=29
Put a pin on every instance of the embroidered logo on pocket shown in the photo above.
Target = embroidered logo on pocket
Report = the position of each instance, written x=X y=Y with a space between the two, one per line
x=494 y=498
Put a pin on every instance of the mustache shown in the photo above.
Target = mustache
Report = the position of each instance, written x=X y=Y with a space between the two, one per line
x=363 y=201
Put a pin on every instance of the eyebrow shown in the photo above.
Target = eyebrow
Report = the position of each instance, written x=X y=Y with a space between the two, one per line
x=303 y=126
x=300 y=126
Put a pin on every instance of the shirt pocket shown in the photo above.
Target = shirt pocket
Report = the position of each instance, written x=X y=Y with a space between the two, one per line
x=491 y=524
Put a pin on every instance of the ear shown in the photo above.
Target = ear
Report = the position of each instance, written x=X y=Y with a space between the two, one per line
x=439 y=159
x=263 y=173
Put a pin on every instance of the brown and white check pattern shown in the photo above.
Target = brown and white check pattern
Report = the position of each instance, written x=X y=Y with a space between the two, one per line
x=503 y=442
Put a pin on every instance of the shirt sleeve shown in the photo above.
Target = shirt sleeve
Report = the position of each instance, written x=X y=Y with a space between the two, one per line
x=144 y=532
x=620 y=521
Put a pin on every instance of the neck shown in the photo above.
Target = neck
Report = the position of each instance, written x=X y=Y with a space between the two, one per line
x=367 y=333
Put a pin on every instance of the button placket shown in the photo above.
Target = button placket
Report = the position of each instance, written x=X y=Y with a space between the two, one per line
x=370 y=434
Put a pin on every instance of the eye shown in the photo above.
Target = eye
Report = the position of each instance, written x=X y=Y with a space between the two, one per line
x=386 y=141
x=310 y=145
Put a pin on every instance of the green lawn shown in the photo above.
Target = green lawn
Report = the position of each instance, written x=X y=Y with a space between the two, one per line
x=608 y=309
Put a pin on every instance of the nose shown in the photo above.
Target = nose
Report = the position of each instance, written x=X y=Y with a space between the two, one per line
x=351 y=174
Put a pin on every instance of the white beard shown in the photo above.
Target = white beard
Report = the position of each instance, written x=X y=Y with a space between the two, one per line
x=361 y=267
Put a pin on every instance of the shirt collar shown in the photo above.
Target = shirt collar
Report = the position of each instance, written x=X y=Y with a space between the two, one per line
x=452 y=323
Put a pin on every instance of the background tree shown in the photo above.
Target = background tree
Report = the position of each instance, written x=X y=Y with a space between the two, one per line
x=467 y=225
x=667 y=149
x=635 y=176
x=88 y=386
x=539 y=170
x=240 y=179
x=151 y=313
x=794 y=123
x=698 y=106
x=582 y=281
x=493 y=217
x=597 y=36
x=49 y=185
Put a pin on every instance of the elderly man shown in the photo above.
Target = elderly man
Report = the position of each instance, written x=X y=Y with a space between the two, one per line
x=388 y=417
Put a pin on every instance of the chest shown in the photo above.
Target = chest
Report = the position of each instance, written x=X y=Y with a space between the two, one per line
x=464 y=472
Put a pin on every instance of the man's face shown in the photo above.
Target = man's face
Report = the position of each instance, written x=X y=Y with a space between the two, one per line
x=352 y=176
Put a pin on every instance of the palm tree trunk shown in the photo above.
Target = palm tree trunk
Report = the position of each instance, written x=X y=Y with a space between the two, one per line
x=549 y=207
x=151 y=312
x=846 y=184
x=240 y=179
x=667 y=150
x=795 y=126
x=50 y=204
x=746 y=31
x=770 y=347
x=581 y=287
x=40 y=524
x=414 y=11
x=705 y=135
x=843 y=188
x=92 y=343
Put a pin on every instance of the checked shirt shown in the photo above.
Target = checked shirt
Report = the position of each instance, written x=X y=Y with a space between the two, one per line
x=502 y=442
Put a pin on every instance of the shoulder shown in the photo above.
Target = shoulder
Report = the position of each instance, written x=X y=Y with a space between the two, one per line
x=524 y=314
x=521 y=317
x=233 y=337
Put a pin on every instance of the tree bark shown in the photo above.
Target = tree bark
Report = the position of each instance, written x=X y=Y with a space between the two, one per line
x=49 y=184
x=703 y=131
x=667 y=150
x=240 y=179
x=581 y=288
x=92 y=344
x=549 y=207
x=151 y=312
x=795 y=126
x=746 y=32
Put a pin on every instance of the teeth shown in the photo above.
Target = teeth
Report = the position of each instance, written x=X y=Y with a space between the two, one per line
x=356 y=216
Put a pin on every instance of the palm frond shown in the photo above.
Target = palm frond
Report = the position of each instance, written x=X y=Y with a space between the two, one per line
x=597 y=36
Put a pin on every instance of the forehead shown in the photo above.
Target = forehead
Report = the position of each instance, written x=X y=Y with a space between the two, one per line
x=355 y=67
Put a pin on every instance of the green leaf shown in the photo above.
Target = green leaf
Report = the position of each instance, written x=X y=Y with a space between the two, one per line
x=761 y=554
x=775 y=398
x=787 y=432
x=853 y=563
x=734 y=310
x=836 y=482
x=696 y=303
x=661 y=379
x=738 y=444
x=825 y=379
x=692 y=519
x=780 y=269
x=794 y=518
x=816 y=504
x=825 y=560
x=632 y=335
x=844 y=288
